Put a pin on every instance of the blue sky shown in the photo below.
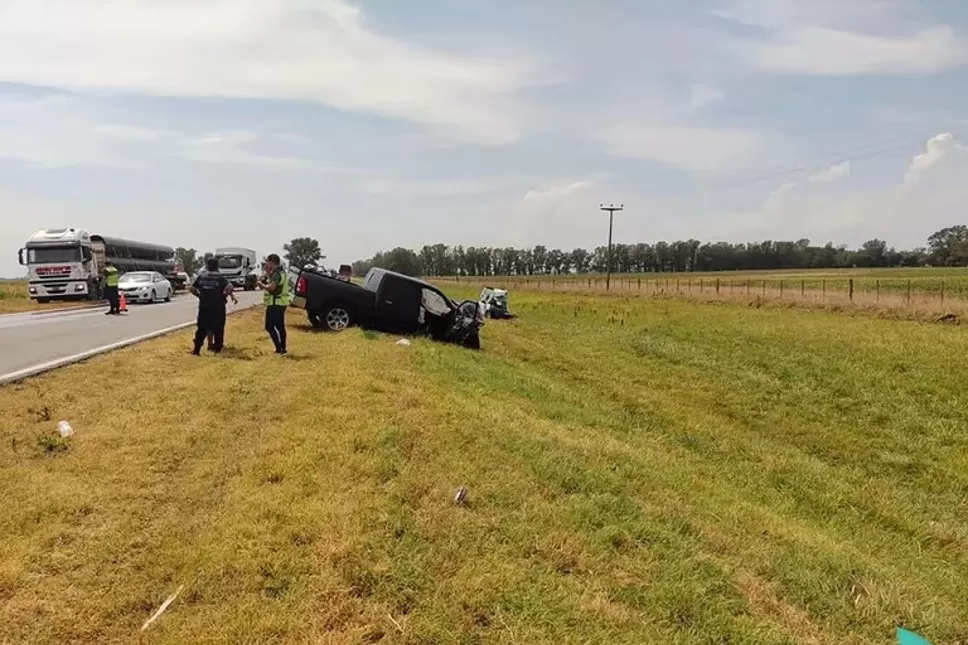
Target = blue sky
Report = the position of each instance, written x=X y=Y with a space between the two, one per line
x=374 y=124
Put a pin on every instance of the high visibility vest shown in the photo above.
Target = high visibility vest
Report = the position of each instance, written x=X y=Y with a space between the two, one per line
x=281 y=297
x=111 y=276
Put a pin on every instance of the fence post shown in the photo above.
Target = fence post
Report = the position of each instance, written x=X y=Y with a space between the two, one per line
x=640 y=284
x=717 y=286
x=589 y=283
x=803 y=289
x=877 y=290
x=823 y=287
x=781 y=289
x=909 y=294
x=850 y=289
x=942 y=296
x=677 y=285
x=700 y=285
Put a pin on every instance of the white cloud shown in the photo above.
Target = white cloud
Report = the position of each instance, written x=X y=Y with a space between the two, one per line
x=833 y=174
x=58 y=131
x=693 y=148
x=701 y=96
x=321 y=51
x=827 y=37
x=937 y=150
x=556 y=191
x=419 y=188
x=904 y=212
x=824 y=51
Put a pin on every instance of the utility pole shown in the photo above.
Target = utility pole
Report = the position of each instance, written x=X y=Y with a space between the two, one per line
x=611 y=208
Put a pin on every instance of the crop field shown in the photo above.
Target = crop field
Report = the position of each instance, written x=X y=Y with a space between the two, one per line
x=919 y=292
x=638 y=470
x=13 y=296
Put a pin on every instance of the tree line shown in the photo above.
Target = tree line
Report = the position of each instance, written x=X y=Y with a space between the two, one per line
x=947 y=247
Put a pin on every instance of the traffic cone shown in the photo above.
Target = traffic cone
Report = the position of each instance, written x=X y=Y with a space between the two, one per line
x=123 y=305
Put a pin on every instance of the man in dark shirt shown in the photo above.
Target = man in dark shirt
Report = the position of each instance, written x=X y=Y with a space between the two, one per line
x=212 y=289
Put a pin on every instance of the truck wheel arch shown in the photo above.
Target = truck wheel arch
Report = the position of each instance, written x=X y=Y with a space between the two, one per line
x=319 y=318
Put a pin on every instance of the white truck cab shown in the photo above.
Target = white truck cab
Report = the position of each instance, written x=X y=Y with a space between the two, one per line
x=62 y=264
x=239 y=266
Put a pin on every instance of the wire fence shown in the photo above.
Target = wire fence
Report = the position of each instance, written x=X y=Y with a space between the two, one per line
x=924 y=295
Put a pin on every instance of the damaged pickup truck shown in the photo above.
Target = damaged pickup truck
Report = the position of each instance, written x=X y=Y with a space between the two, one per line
x=389 y=302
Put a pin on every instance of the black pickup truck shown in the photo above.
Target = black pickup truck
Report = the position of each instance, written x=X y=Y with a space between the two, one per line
x=389 y=302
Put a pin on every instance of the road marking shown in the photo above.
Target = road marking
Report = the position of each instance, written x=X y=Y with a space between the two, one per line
x=35 y=370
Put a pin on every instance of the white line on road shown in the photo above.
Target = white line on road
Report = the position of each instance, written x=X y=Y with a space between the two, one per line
x=34 y=370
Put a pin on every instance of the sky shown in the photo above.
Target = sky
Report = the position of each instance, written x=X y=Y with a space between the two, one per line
x=370 y=124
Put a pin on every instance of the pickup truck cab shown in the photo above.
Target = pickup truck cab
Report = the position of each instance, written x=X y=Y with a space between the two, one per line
x=389 y=302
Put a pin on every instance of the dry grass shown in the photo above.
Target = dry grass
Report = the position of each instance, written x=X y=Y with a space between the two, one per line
x=925 y=298
x=14 y=299
x=639 y=471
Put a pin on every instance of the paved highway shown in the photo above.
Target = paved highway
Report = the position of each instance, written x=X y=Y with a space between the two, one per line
x=30 y=342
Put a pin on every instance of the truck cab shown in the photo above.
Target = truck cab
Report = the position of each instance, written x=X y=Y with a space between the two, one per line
x=61 y=265
x=239 y=266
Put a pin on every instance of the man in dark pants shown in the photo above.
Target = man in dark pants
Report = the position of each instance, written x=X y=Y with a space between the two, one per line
x=275 y=286
x=211 y=288
x=111 y=279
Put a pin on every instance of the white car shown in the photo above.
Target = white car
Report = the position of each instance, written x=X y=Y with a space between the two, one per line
x=145 y=286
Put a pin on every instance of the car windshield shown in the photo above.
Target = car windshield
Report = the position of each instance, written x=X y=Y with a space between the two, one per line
x=136 y=277
x=50 y=255
x=230 y=262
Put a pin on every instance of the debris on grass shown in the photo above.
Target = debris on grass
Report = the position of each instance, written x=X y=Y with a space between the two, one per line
x=65 y=429
x=161 y=610
x=404 y=342
x=461 y=497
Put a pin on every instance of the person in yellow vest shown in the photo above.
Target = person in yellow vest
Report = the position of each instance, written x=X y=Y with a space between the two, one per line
x=275 y=286
x=111 y=279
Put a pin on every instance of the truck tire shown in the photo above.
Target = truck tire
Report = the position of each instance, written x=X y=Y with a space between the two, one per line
x=43 y=301
x=335 y=317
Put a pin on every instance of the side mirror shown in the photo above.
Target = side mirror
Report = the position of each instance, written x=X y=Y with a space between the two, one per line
x=86 y=254
x=20 y=257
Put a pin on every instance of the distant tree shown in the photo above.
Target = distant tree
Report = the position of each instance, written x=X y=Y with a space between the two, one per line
x=949 y=246
x=303 y=251
x=189 y=260
x=400 y=260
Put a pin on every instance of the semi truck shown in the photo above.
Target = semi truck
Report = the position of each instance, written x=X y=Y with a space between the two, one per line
x=239 y=266
x=66 y=263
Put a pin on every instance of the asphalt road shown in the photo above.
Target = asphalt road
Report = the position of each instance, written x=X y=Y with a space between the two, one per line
x=29 y=341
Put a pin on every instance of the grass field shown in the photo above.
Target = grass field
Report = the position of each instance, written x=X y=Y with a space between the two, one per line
x=918 y=292
x=14 y=299
x=639 y=471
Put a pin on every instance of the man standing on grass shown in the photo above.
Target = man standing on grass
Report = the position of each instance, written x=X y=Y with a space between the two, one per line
x=276 y=298
x=212 y=290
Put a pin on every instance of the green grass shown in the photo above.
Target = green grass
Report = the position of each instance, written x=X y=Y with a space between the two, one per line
x=639 y=471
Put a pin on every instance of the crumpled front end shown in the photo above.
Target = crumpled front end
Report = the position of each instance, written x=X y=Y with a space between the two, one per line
x=466 y=329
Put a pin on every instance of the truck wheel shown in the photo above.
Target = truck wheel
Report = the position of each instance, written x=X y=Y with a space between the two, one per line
x=43 y=301
x=336 y=317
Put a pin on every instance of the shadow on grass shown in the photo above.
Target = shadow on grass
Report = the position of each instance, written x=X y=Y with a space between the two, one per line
x=237 y=354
